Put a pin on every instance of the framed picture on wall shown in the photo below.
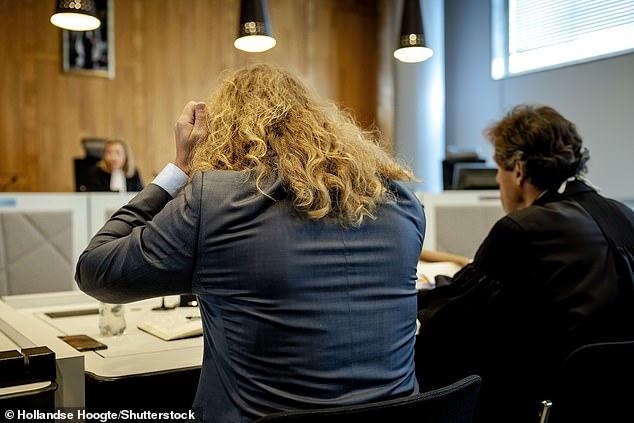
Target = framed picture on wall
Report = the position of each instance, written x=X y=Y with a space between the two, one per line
x=91 y=53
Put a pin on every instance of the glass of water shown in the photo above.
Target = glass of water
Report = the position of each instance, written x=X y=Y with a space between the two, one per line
x=111 y=319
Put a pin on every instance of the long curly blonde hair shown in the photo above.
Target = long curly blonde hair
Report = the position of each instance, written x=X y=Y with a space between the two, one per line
x=263 y=117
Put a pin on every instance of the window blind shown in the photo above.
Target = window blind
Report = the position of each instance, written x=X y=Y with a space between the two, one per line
x=541 y=34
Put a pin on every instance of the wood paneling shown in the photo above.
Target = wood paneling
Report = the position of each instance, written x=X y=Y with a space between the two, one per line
x=167 y=52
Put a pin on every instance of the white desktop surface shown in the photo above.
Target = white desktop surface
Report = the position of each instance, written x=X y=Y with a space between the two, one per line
x=133 y=353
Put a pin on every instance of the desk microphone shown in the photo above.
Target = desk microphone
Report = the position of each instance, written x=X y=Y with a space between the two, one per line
x=163 y=307
x=11 y=181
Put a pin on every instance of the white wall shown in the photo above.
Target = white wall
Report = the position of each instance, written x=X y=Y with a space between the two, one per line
x=597 y=96
x=419 y=118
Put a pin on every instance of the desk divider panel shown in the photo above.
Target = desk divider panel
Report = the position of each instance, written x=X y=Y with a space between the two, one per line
x=35 y=251
x=43 y=234
x=41 y=237
x=458 y=221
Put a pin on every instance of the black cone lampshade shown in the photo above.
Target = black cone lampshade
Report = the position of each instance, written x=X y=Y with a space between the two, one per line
x=412 y=46
x=76 y=15
x=254 y=33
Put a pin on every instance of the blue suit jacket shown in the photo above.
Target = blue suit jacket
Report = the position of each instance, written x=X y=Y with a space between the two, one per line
x=296 y=313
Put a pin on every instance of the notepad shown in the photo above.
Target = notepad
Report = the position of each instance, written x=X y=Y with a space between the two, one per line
x=427 y=272
x=170 y=328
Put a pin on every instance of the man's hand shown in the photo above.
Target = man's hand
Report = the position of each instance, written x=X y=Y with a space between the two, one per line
x=190 y=128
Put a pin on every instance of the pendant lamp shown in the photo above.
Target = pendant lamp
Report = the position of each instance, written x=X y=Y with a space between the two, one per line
x=76 y=15
x=254 y=34
x=411 y=44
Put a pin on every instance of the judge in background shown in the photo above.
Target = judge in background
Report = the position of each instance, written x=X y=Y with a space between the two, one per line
x=115 y=171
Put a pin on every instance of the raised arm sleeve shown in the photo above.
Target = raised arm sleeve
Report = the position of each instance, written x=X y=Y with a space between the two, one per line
x=146 y=249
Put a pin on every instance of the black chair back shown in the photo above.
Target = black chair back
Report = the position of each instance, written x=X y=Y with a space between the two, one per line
x=93 y=148
x=596 y=385
x=454 y=403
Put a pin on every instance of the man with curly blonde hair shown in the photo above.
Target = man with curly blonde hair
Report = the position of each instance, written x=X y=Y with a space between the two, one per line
x=293 y=228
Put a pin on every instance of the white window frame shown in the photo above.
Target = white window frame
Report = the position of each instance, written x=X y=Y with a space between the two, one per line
x=589 y=46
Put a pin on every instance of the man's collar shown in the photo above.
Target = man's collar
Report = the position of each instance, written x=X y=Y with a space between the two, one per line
x=570 y=188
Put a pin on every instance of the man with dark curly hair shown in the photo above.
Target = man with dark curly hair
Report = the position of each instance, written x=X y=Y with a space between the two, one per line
x=552 y=275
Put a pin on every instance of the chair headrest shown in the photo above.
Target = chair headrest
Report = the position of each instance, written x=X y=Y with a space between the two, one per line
x=93 y=147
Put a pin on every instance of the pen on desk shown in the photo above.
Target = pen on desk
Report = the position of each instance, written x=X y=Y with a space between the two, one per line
x=192 y=317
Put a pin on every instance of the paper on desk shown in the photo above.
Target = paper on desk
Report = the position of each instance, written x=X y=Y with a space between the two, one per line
x=172 y=327
x=427 y=272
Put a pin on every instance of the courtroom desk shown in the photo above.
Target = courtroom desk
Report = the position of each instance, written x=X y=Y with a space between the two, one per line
x=26 y=384
x=19 y=332
x=458 y=221
x=29 y=396
x=137 y=371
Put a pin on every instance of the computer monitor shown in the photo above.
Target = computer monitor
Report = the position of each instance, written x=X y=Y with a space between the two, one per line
x=448 y=166
x=479 y=176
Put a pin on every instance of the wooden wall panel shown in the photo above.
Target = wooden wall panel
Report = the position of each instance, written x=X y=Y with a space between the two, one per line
x=12 y=113
x=166 y=53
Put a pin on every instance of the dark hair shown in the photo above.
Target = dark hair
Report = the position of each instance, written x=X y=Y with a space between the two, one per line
x=547 y=144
